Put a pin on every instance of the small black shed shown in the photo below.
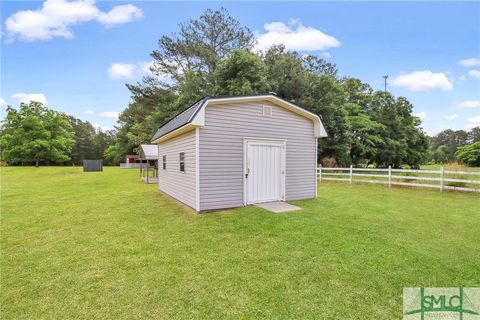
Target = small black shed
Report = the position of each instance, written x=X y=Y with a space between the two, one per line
x=92 y=165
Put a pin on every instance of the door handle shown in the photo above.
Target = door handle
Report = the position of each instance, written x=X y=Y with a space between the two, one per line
x=248 y=172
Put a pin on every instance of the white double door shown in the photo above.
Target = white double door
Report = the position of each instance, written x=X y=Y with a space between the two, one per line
x=264 y=171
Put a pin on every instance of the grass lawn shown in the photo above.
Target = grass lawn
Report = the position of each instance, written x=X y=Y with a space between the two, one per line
x=450 y=166
x=105 y=246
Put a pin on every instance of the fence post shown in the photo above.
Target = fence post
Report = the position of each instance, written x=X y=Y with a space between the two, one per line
x=442 y=177
x=351 y=173
x=320 y=173
x=390 y=176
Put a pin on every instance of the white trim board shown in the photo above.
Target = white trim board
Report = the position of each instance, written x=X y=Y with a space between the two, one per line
x=197 y=168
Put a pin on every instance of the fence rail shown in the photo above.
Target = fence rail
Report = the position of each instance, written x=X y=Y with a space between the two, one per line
x=437 y=179
x=132 y=165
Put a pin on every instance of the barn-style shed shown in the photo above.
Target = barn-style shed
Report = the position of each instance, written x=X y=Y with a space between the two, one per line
x=225 y=152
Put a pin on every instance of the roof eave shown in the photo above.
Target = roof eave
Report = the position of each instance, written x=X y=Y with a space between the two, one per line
x=183 y=129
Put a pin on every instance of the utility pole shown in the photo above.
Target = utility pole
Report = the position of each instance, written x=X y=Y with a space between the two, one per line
x=385 y=77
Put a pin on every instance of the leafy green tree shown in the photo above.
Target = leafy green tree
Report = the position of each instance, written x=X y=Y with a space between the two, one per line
x=211 y=56
x=286 y=73
x=439 y=155
x=35 y=133
x=318 y=66
x=183 y=66
x=241 y=73
x=365 y=135
x=469 y=154
x=358 y=92
x=326 y=97
x=474 y=135
x=199 y=45
x=84 y=136
x=449 y=140
x=150 y=107
x=101 y=142
x=403 y=140
x=112 y=155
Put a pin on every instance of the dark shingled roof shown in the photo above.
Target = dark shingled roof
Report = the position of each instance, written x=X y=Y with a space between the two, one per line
x=179 y=120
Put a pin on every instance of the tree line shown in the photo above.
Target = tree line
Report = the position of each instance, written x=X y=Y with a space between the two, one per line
x=456 y=145
x=214 y=56
x=35 y=134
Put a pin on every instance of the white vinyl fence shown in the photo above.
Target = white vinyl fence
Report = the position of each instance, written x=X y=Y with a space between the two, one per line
x=132 y=165
x=439 y=179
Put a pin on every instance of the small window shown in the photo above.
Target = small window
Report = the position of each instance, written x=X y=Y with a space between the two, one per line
x=267 y=111
x=164 y=162
x=182 y=161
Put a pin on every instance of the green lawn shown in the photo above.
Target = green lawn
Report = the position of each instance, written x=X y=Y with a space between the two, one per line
x=450 y=166
x=105 y=246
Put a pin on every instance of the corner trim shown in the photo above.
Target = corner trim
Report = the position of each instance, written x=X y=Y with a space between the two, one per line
x=197 y=169
x=316 y=165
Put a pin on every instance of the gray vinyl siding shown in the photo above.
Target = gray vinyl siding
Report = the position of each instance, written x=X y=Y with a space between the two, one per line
x=221 y=151
x=177 y=184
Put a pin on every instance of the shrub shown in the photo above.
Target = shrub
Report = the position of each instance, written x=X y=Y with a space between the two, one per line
x=469 y=154
x=328 y=162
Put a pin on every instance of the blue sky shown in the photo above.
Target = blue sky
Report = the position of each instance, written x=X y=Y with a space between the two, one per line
x=78 y=56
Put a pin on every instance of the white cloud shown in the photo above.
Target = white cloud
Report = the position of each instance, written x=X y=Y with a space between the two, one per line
x=474 y=120
x=422 y=115
x=88 y=112
x=450 y=117
x=470 y=62
x=437 y=130
x=145 y=66
x=56 y=18
x=120 y=14
x=295 y=36
x=2 y=103
x=103 y=128
x=22 y=97
x=423 y=81
x=109 y=114
x=462 y=78
x=469 y=104
x=474 y=73
x=122 y=71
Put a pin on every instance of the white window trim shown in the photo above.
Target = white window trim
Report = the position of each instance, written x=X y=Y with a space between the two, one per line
x=184 y=162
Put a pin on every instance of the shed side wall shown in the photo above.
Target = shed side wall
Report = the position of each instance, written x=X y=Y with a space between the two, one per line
x=179 y=185
x=221 y=151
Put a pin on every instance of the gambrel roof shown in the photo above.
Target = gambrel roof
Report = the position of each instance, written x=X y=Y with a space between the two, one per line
x=179 y=120
x=194 y=116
